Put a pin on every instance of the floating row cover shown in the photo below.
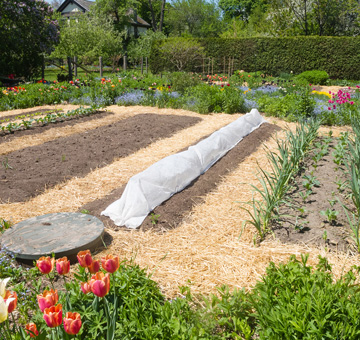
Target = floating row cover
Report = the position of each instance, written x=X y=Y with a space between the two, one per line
x=160 y=181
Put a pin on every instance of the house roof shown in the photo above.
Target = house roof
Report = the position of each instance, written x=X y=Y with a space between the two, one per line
x=86 y=4
x=83 y=4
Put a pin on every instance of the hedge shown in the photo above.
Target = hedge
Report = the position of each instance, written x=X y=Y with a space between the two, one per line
x=338 y=56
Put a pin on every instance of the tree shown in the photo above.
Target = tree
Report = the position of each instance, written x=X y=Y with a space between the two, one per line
x=181 y=52
x=90 y=36
x=197 y=18
x=141 y=47
x=241 y=9
x=28 y=31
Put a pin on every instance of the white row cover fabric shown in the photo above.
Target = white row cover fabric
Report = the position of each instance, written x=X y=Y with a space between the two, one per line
x=160 y=181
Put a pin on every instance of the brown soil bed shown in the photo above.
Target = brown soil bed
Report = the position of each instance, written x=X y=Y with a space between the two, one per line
x=302 y=223
x=27 y=172
x=173 y=211
x=38 y=129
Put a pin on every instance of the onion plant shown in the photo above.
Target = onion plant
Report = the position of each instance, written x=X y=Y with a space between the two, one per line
x=284 y=165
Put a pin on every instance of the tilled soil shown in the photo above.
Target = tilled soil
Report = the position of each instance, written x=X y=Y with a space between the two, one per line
x=27 y=172
x=173 y=211
x=301 y=221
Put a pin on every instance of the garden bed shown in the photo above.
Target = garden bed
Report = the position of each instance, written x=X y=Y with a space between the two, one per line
x=27 y=172
x=173 y=211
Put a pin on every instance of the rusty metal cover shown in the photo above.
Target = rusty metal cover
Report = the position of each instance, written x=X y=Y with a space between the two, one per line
x=63 y=234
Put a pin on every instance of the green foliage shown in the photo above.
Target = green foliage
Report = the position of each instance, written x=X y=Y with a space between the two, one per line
x=180 y=81
x=293 y=301
x=335 y=55
x=314 y=77
x=88 y=37
x=28 y=30
x=141 y=47
x=205 y=99
x=196 y=18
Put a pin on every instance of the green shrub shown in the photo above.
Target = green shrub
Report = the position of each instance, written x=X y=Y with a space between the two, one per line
x=314 y=77
x=180 y=81
x=293 y=301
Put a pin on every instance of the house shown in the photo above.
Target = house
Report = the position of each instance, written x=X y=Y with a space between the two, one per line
x=71 y=8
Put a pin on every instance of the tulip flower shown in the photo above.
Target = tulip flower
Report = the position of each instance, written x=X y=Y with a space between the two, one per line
x=31 y=330
x=110 y=263
x=62 y=266
x=53 y=316
x=3 y=286
x=45 y=264
x=4 y=305
x=13 y=303
x=94 y=267
x=85 y=287
x=100 y=284
x=47 y=299
x=84 y=258
x=72 y=323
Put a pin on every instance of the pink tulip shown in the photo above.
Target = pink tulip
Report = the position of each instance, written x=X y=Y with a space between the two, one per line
x=72 y=323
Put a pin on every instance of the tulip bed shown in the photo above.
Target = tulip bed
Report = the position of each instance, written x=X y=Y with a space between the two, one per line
x=109 y=299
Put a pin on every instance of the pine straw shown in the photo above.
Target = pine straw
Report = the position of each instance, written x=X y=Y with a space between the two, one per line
x=71 y=195
x=121 y=112
x=206 y=249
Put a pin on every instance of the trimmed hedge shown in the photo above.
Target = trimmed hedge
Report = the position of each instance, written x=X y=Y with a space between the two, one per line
x=338 y=56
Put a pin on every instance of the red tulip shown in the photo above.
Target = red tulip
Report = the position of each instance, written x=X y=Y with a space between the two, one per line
x=47 y=299
x=84 y=258
x=31 y=330
x=110 y=263
x=45 y=264
x=63 y=265
x=85 y=287
x=72 y=323
x=100 y=284
x=94 y=267
x=53 y=316
x=13 y=303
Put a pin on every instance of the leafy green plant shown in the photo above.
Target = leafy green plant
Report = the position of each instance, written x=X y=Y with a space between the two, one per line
x=296 y=301
x=154 y=218
x=330 y=214
x=314 y=77
x=310 y=181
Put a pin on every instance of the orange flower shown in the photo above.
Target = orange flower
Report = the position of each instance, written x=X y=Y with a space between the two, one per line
x=63 y=265
x=53 y=316
x=100 y=284
x=47 y=299
x=110 y=263
x=84 y=258
x=85 y=287
x=94 y=267
x=45 y=264
x=13 y=303
x=31 y=330
x=72 y=323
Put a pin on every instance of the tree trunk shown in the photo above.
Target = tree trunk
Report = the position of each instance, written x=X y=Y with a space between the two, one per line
x=162 y=15
x=153 y=22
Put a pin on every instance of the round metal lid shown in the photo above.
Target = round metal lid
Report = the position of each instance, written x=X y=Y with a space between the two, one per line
x=63 y=234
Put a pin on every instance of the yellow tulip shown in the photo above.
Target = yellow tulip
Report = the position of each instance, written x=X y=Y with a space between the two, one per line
x=4 y=308
x=3 y=286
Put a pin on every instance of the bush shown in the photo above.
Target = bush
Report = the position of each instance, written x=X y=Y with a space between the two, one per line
x=180 y=81
x=314 y=77
x=293 y=301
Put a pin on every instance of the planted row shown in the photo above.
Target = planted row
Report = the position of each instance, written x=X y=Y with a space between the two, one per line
x=49 y=118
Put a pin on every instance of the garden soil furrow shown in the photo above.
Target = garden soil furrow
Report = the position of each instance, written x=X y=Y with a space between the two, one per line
x=27 y=172
x=174 y=210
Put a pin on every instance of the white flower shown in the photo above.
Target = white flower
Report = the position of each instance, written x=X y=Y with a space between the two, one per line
x=3 y=286
x=4 y=308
